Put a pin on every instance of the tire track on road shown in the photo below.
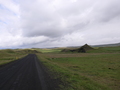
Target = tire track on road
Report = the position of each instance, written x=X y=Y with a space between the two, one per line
x=22 y=75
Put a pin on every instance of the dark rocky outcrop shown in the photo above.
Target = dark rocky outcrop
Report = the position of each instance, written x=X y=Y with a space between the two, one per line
x=82 y=49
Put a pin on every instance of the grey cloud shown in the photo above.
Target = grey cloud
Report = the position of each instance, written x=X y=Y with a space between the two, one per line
x=50 y=21
x=112 y=11
x=43 y=23
x=106 y=11
x=43 y=18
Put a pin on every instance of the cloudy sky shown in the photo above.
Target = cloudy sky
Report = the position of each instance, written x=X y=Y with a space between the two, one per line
x=58 y=23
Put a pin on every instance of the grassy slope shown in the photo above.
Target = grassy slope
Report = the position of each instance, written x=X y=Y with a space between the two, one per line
x=106 y=50
x=9 y=55
x=49 y=50
x=88 y=71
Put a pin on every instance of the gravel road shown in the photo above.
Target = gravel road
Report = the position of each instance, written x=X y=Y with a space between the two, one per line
x=24 y=74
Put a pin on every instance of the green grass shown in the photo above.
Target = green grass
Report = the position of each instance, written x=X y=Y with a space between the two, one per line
x=97 y=69
x=84 y=71
x=9 y=55
x=49 y=50
x=105 y=50
x=95 y=50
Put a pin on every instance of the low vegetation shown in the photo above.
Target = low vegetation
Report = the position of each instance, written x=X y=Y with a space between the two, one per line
x=105 y=50
x=49 y=50
x=84 y=68
x=92 y=70
x=9 y=55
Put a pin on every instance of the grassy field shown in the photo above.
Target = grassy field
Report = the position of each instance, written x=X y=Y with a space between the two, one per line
x=98 y=69
x=105 y=50
x=85 y=71
x=56 y=50
x=9 y=55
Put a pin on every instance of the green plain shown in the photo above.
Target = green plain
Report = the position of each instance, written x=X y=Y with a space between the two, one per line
x=85 y=71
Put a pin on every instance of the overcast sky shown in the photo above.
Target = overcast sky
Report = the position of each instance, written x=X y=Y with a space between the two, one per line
x=58 y=23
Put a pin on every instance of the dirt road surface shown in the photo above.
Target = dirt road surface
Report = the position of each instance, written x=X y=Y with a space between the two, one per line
x=24 y=74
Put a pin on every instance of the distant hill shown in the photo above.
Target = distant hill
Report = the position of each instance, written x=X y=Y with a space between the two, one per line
x=19 y=51
x=106 y=45
x=101 y=45
x=82 y=49
x=85 y=48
